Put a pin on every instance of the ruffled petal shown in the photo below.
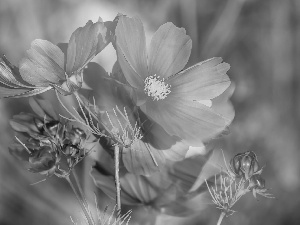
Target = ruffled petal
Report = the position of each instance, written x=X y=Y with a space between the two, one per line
x=24 y=123
x=20 y=93
x=131 y=50
x=44 y=64
x=203 y=81
x=191 y=121
x=9 y=74
x=84 y=44
x=170 y=50
x=43 y=108
x=172 y=148
x=131 y=75
x=223 y=106
x=18 y=151
x=186 y=171
x=107 y=184
x=139 y=187
x=142 y=158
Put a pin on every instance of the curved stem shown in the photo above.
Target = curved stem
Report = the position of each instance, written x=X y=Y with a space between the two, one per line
x=80 y=199
x=221 y=218
x=117 y=181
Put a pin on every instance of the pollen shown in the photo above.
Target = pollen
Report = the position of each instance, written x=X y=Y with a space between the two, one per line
x=156 y=88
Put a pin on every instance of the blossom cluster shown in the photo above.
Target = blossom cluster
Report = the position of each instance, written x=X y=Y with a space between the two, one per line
x=150 y=106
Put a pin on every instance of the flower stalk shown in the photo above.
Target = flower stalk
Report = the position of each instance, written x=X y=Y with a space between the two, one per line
x=222 y=215
x=117 y=181
x=76 y=188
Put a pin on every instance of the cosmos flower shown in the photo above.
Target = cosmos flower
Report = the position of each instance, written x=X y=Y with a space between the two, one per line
x=46 y=66
x=177 y=100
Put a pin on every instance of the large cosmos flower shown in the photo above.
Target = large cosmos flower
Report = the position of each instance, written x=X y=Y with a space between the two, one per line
x=46 y=66
x=169 y=96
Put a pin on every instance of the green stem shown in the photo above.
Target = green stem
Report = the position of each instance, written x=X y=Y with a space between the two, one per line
x=221 y=218
x=81 y=200
x=117 y=181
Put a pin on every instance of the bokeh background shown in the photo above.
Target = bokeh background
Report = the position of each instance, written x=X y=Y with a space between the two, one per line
x=260 y=40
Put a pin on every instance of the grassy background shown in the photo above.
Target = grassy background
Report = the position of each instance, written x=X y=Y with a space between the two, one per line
x=260 y=40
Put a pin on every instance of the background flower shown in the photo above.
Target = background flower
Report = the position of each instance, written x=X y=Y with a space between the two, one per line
x=164 y=193
x=46 y=66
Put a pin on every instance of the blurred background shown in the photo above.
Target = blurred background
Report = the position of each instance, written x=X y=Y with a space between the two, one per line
x=260 y=40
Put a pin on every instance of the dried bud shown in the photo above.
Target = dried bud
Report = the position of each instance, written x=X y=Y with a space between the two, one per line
x=43 y=161
x=245 y=164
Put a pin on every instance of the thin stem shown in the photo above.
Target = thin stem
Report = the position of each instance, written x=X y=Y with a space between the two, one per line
x=117 y=181
x=81 y=202
x=221 y=218
x=80 y=188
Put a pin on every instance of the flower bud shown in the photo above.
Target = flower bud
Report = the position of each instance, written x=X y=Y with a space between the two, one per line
x=244 y=164
x=249 y=164
x=235 y=164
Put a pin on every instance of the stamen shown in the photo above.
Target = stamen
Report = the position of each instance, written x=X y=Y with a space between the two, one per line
x=156 y=87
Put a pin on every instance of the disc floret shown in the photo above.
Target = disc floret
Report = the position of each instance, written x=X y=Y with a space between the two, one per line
x=156 y=88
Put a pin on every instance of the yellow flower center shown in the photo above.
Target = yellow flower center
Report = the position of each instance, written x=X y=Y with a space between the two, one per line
x=156 y=88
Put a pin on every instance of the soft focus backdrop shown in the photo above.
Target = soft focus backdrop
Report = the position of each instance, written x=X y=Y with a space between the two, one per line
x=260 y=40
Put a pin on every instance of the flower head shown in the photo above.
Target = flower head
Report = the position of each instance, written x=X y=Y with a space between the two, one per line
x=44 y=143
x=245 y=164
x=46 y=66
x=169 y=96
x=243 y=176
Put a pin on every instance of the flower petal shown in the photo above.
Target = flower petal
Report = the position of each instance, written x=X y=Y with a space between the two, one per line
x=139 y=187
x=186 y=171
x=84 y=44
x=170 y=50
x=43 y=108
x=131 y=75
x=8 y=74
x=23 y=123
x=172 y=148
x=131 y=49
x=191 y=121
x=202 y=81
x=20 y=93
x=106 y=183
x=18 y=151
x=223 y=106
x=142 y=158
x=43 y=65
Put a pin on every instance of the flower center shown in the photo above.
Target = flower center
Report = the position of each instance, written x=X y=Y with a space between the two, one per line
x=156 y=88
